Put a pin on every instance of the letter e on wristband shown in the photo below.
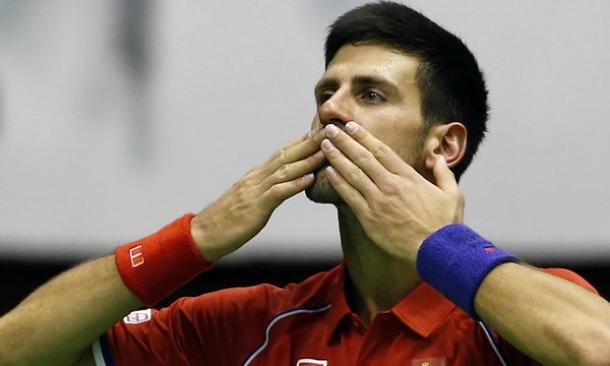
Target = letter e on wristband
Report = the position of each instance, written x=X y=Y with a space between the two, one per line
x=135 y=254
x=157 y=265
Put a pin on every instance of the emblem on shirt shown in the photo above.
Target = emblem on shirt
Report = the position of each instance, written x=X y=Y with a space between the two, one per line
x=138 y=317
x=311 y=362
x=432 y=361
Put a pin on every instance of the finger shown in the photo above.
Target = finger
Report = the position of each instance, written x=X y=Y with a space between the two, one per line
x=459 y=215
x=294 y=151
x=297 y=169
x=443 y=176
x=286 y=147
x=350 y=195
x=349 y=171
x=358 y=154
x=384 y=154
x=278 y=193
x=262 y=171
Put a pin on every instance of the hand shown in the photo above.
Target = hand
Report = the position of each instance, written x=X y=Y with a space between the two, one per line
x=241 y=212
x=396 y=206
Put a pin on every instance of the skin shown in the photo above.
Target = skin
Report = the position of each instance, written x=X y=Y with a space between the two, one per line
x=392 y=187
x=377 y=87
x=387 y=208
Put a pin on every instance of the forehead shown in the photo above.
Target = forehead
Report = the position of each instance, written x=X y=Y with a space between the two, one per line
x=373 y=60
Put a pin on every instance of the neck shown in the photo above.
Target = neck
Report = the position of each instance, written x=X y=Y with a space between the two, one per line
x=377 y=281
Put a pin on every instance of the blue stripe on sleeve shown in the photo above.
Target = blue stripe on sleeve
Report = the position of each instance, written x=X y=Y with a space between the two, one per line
x=105 y=346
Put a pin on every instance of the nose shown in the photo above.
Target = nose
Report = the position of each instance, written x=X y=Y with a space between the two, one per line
x=336 y=110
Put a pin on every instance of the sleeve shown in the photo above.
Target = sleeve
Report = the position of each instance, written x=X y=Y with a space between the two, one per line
x=212 y=329
x=515 y=357
x=573 y=277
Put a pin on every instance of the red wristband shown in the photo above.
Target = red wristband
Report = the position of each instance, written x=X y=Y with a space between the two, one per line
x=155 y=266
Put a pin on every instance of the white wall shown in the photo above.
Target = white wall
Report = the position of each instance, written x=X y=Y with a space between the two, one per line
x=88 y=161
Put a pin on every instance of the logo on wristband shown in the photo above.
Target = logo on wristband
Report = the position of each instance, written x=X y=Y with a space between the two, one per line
x=136 y=256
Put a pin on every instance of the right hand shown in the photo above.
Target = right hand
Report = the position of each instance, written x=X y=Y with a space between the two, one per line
x=241 y=212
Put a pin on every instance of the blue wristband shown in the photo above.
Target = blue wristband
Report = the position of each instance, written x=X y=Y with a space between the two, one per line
x=455 y=260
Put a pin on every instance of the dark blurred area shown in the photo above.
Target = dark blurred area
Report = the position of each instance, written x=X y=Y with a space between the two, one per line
x=19 y=278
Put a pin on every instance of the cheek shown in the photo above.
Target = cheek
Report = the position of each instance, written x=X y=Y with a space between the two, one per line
x=401 y=137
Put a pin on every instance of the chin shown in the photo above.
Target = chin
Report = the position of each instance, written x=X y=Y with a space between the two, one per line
x=321 y=191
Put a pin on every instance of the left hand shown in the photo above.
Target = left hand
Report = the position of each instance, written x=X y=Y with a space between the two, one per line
x=397 y=207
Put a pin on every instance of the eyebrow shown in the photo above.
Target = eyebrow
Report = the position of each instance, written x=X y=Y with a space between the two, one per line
x=358 y=81
x=325 y=84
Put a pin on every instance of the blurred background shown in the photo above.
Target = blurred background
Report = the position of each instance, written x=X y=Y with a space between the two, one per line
x=118 y=116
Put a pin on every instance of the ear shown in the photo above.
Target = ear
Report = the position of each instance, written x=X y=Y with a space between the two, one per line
x=448 y=140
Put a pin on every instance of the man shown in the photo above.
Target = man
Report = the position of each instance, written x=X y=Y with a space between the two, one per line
x=401 y=110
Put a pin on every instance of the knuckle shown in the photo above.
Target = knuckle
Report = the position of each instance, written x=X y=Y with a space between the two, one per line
x=385 y=208
x=252 y=175
x=363 y=157
x=298 y=183
x=238 y=186
x=275 y=155
x=391 y=187
x=275 y=191
x=380 y=151
x=354 y=173
x=249 y=180
x=281 y=155
x=282 y=173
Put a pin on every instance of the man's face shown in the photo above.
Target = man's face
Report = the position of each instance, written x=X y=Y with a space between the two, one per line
x=374 y=86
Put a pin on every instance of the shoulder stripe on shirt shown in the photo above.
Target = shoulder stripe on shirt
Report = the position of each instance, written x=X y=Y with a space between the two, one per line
x=276 y=319
x=101 y=352
x=493 y=342
x=97 y=354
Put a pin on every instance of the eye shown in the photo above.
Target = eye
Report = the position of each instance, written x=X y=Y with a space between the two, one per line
x=373 y=95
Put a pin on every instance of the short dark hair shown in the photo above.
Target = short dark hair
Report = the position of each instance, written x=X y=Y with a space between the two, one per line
x=451 y=84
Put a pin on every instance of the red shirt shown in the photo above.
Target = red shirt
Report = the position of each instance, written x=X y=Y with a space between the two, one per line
x=304 y=324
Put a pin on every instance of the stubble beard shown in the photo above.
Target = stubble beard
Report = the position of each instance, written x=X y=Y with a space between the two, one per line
x=322 y=191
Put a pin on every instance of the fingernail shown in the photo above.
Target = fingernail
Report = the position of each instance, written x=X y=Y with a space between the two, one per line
x=326 y=145
x=331 y=130
x=308 y=176
x=442 y=160
x=351 y=127
x=330 y=171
